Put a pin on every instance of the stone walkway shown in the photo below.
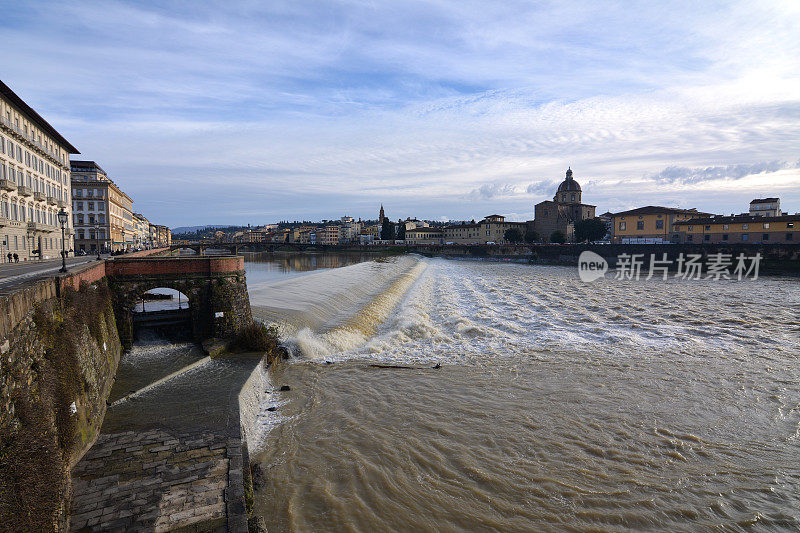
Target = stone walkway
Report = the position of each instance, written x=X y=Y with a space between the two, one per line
x=171 y=459
x=153 y=481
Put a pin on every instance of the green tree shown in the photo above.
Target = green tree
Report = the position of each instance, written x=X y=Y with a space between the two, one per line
x=401 y=230
x=387 y=230
x=531 y=236
x=513 y=235
x=590 y=229
x=558 y=237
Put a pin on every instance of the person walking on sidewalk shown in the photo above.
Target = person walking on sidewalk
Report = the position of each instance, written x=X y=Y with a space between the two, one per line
x=16 y=258
x=10 y=257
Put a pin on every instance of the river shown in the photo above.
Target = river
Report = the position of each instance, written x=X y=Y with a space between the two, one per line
x=530 y=400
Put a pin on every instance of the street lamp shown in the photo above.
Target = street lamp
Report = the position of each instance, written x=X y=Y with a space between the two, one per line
x=97 y=236
x=62 y=219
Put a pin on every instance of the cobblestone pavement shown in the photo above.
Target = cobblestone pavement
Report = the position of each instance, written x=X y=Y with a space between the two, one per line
x=171 y=459
x=153 y=481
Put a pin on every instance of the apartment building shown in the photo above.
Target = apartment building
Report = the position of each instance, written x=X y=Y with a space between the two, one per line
x=142 y=225
x=162 y=235
x=424 y=235
x=328 y=235
x=34 y=182
x=765 y=207
x=753 y=229
x=651 y=224
x=462 y=234
x=103 y=213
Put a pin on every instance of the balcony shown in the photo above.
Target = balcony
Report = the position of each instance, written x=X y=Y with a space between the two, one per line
x=4 y=222
x=38 y=226
x=39 y=197
x=61 y=204
x=52 y=200
x=24 y=191
x=8 y=185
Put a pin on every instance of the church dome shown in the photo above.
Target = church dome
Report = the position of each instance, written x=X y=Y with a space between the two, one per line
x=569 y=184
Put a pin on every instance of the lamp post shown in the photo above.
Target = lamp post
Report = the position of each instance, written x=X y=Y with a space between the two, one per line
x=97 y=236
x=62 y=219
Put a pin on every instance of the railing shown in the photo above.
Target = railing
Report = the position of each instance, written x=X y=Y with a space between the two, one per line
x=52 y=200
x=8 y=185
x=38 y=226
x=22 y=190
x=39 y=196
x=62 y=204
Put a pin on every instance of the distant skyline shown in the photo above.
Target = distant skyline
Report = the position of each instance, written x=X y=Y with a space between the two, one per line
x=236 y=112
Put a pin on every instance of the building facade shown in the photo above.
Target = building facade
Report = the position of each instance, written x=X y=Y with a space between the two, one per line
x=765 y=207
x=100 y=208
x=162 y=235
x=34 y=182
x=563 y=211
x=424 y=235
x=651 y=224
x=748 y=229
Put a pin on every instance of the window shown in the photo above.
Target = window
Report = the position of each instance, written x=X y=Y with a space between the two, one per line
x=724 y=226
x=745 y=226
x=766 y=225
x=91 y=206
x=789 y=236
x=563 y=197
x=572 y=197
x=689 y=228
x=640 y=225
x=765 y=237
x=708 y=227
x=745 y=237
x=80 y=206
x=689 y=238
x=622 y=226
x=659 y=224
x=707 y=237
x=725 y=237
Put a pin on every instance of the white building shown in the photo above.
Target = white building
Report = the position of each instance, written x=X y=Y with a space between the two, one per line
x=34 y=182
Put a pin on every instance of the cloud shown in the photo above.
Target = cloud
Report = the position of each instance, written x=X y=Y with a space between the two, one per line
x=734 y=172
x=295 y=109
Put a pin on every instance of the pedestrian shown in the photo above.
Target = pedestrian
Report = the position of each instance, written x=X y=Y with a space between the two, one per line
x=16 y=258
x=9 y=256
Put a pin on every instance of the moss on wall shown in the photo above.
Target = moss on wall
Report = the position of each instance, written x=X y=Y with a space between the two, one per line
x=64 y=352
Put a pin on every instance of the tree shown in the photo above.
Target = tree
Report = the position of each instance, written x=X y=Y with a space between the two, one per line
x=531 y=236
x=590 y=229
x=558 y=237
x=401 y=230
x=387 y=230
x=512 y=235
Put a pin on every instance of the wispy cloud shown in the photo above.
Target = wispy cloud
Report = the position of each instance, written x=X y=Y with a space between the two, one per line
x=302 y=109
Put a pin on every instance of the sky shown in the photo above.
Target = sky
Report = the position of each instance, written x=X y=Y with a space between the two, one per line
x=237 y=112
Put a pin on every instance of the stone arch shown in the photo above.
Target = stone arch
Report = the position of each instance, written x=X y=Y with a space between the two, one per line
x=127 y=293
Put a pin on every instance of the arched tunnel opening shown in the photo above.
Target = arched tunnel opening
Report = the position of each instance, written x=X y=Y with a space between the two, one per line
x=162 y=312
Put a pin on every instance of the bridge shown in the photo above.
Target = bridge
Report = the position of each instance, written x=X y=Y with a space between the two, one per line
x=215 y=286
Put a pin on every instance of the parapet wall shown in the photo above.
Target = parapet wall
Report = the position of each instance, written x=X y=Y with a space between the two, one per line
x=60 y=351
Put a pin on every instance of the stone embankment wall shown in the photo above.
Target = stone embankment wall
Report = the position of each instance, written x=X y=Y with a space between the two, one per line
x=59 y=351
x=776 y=258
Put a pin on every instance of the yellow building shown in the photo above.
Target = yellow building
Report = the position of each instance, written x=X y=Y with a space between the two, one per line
x=462 y=234
x=649 y=225
x=425 y=235
x=328 y=235
x=34 y=182
x=754 y=229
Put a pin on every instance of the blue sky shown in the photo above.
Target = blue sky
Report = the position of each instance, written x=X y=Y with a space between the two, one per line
x=251 y=112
